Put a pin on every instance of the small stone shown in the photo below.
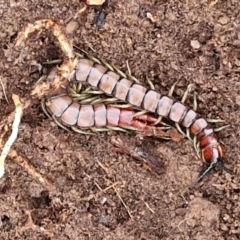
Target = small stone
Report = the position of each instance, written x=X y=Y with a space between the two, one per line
x=195 y=44
x=224 y=227
x=214 y=89
x=150 y=16
x=71 y=27
x=223 y=20
x=238 y=100
x=237 y=62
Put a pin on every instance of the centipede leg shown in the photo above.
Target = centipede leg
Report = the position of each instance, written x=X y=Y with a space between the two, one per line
x=90 y=96
x=184 y=97
x=150 y=83
x=60 y=125
x=139 y=113
x=81 y=131
x=109 y=66
x=194 y=139
x=221 y=128
x=43 y=105
x=129 y=74
x=218 y=121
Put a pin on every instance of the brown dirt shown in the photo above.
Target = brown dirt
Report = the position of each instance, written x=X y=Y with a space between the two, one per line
x=194 y=42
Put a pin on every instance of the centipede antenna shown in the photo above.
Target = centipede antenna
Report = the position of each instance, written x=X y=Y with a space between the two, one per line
x=221 y=166
x=202 y=175
x=211 y=166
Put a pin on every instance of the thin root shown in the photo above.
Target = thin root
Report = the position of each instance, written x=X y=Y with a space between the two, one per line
x=30 y=169
x=57 y=31
x=31 y=225
x=13 y=136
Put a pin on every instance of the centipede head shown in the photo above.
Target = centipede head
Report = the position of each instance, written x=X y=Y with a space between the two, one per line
x=217 y=159
x=213 y=156
x=218 y=163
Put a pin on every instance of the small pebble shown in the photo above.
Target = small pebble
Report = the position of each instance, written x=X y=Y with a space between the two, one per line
x=223 y=20
x=195 y=44
x=71 y=27
x=238 y=100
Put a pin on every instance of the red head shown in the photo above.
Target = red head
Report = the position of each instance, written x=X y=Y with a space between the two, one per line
x=213 y=155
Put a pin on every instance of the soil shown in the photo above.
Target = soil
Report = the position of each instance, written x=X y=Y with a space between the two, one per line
x=95 y=192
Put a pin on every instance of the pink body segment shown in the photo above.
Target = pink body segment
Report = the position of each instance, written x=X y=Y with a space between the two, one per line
x=122 y=89
x=96 y=74
x=177 y=112
x=108 y=82
x=86 y=116
x=150 y=102
x=136 y=94
x=70 y=116
x=83 y=69
x=164 y=106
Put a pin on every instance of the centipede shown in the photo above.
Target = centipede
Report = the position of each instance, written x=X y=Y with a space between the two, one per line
x=137 y=107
